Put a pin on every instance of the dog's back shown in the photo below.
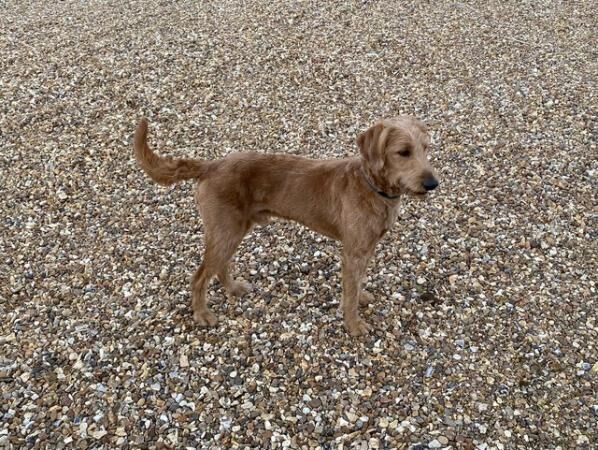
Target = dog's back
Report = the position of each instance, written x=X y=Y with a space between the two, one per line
x=261 y=185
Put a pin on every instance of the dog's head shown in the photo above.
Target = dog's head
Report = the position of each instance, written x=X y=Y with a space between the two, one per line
x=395 y=156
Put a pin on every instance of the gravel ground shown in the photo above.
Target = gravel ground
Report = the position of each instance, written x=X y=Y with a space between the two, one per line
x=485 y=314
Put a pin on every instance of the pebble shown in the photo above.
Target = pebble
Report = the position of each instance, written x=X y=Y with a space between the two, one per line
x=183 y=361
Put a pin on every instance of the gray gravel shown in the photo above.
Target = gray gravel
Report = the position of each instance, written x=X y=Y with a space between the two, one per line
x=485 y=314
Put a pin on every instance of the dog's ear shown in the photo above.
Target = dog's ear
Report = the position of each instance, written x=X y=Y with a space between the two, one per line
x=372 y=143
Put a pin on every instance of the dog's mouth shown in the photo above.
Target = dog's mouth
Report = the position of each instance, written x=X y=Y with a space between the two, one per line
x=412 y=191
x=418 y=194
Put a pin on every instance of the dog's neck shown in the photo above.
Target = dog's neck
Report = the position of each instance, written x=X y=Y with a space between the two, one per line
x=373 y=187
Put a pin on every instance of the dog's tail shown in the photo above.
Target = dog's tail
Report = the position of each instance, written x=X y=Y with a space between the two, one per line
x=165 y=170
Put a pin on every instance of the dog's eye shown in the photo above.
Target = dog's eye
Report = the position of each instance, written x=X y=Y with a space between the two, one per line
x=405 y=152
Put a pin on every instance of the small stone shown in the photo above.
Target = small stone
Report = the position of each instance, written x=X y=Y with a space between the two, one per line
x=434 y=444
x=429 y=297
x=351 y=417
x=341 y=423
x=251 y=386
x=183 y=360
x=418 y=446
x=98 y=434
x=315 y=403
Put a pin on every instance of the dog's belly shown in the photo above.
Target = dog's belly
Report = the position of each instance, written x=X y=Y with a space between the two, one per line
x=325 y=229
x=316 y=223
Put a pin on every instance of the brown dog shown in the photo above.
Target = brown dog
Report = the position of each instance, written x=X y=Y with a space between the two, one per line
x=354 y=200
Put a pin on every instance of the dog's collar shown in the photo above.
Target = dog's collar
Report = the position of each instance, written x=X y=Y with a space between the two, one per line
x=376 y=190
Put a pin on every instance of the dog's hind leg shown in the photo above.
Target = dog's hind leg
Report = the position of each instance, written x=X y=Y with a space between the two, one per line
x=221 y=242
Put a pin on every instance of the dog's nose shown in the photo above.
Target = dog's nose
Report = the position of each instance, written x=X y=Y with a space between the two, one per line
x=430 y=184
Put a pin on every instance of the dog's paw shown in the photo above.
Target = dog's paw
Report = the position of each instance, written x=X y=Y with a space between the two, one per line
x=205 y=318
x=365 y=298
x=357 y=327
x=239 y=288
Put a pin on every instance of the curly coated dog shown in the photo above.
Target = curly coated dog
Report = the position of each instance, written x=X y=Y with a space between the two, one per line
x=353 y=200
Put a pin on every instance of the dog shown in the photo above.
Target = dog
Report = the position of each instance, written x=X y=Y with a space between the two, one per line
x=352 y=200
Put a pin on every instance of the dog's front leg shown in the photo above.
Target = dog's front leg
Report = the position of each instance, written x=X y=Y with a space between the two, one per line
x=354 y=266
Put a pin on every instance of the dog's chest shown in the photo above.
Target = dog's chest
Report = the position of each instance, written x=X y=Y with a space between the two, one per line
x=392 y=215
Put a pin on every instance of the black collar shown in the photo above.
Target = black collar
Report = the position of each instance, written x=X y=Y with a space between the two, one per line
x=376 y=190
